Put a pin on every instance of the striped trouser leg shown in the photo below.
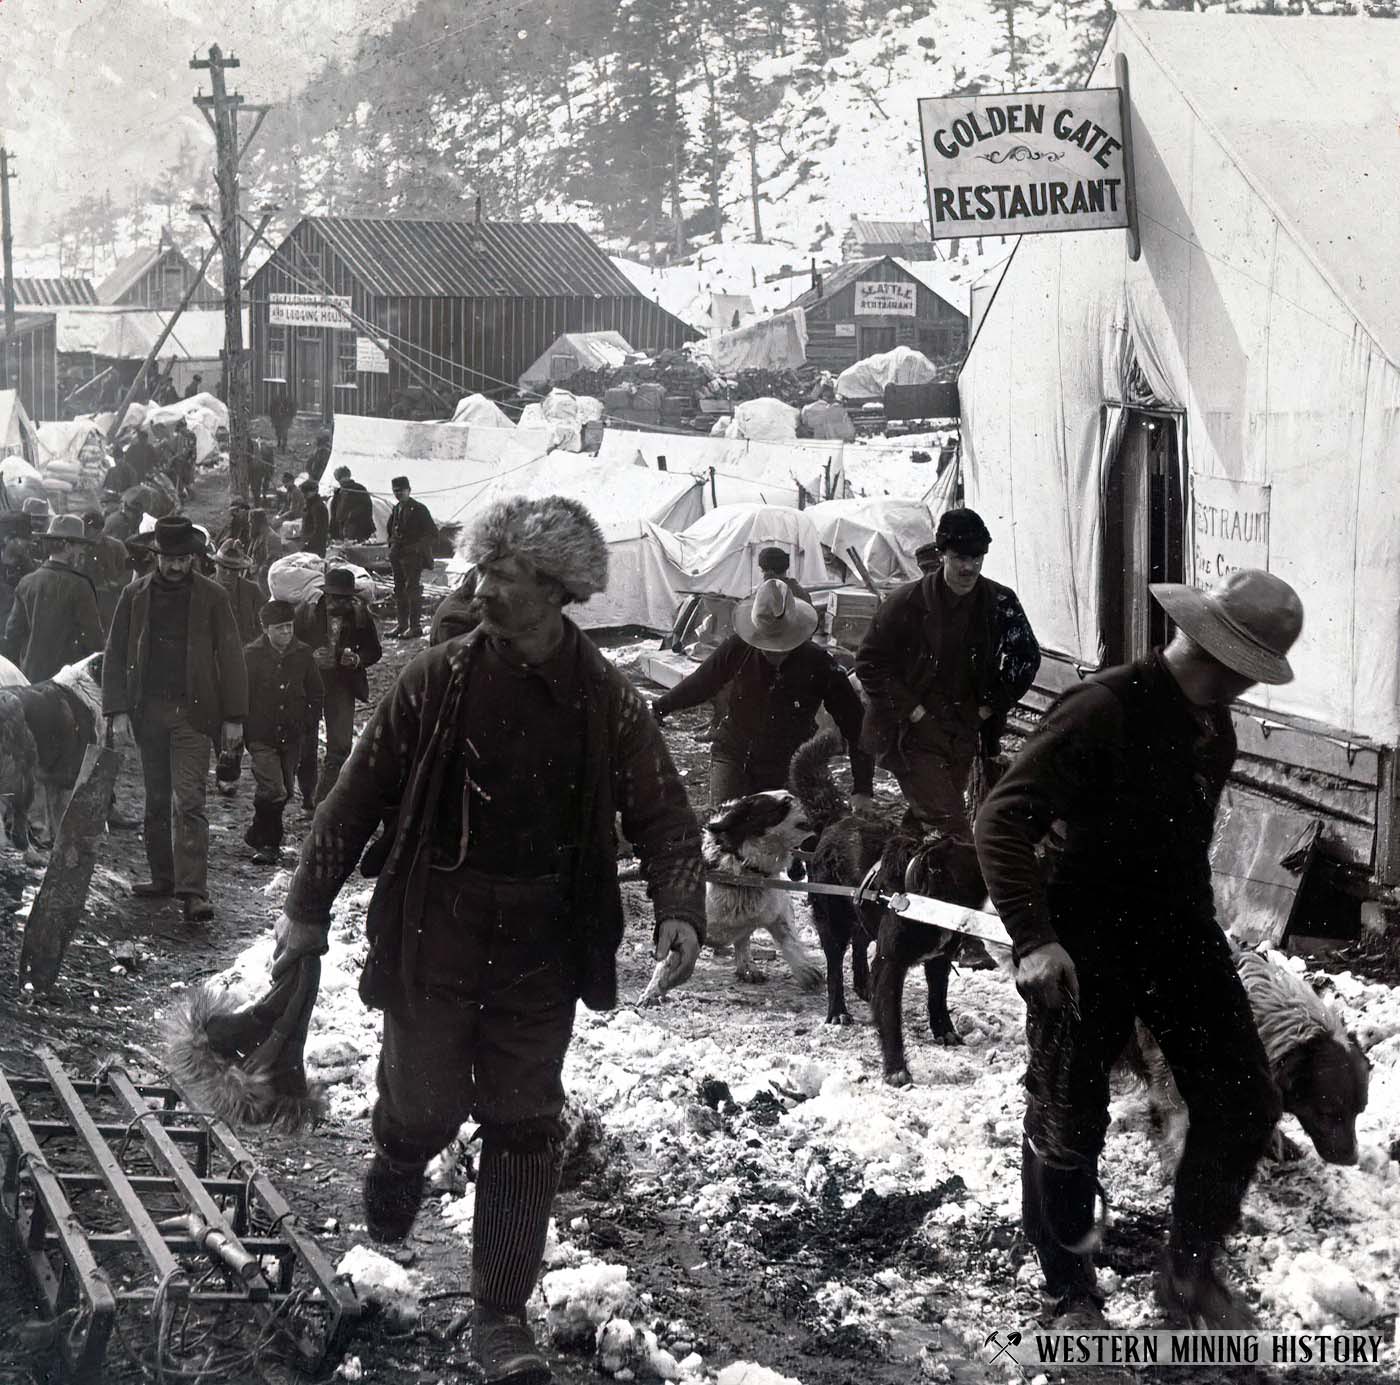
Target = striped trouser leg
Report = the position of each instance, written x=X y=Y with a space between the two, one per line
x=514 y=1195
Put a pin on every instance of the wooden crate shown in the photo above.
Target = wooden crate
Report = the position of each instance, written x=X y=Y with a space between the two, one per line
x=849 y=613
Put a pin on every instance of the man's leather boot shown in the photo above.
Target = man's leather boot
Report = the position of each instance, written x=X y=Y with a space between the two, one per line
x=505 y=1350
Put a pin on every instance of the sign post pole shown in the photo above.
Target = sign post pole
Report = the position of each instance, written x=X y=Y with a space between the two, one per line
x=1125 y=106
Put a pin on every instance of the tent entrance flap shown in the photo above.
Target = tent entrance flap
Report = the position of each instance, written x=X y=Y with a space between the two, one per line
x=1144 y=528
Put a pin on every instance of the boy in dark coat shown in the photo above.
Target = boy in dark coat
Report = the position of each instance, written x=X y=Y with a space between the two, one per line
x=944 y=661
x=284 y=708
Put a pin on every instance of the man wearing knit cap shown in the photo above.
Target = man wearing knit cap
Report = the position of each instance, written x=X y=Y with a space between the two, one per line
x=284 y=707
x=943 y=663
x=411 y=536
x=1129 y=767
x=504 y=756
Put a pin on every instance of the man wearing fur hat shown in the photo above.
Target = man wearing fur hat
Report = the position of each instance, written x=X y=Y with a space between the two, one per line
x=1129 y=767
x=943 y=663
x=54 y=620
x=284 y=708
x=504 y=756
x=174 y=681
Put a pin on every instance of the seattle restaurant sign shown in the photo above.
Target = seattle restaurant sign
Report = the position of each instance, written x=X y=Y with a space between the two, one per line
x=1016 y=164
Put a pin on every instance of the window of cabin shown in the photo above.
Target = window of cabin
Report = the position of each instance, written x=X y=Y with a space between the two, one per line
x=276 y=354
x=562 y=365
x=345 y=361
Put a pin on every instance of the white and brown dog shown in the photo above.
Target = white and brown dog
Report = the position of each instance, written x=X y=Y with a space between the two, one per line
x=45 y=730
x=752 y=836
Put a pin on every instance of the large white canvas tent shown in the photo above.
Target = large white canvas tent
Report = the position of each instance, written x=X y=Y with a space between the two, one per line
x=1232 y=397
x=447 y=464
x=574 y=351
x=17 y=435
x=718 y=554
x=628 y=500
x=1264 y=312
x=885 y=533
x=875 y=469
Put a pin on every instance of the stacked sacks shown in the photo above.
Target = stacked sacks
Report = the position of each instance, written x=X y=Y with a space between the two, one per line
x=301 y=576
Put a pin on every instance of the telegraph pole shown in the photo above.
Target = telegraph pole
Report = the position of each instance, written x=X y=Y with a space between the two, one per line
x=222 y=110
x=7 y=241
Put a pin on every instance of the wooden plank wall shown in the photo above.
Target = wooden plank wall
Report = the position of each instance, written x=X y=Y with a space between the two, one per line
x=36 y=352
x=149 y=290
x=463 y=345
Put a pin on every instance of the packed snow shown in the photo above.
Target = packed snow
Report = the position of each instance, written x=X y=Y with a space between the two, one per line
x=740 y=1109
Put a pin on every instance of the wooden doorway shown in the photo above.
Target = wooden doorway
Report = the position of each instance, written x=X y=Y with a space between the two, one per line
x=1144 y=533
x=310 y=372
x=874 y=340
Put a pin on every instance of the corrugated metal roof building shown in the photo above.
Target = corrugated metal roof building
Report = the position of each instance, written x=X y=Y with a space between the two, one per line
x=54 y=293
x=470 y=304
x=869 y=306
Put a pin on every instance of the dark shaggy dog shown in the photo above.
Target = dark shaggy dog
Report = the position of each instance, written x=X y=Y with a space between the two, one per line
x=44 y=731
x=885 y=856
x=1321 y=1072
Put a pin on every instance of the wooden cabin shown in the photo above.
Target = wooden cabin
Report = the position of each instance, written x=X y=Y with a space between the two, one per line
x=471 y=304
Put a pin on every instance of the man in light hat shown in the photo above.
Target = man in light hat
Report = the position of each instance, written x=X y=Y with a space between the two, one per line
x=945 y=659
x=54 y=620
x=174 y=681
x=231 y=568
x=774 y=562
x=339 y=626
x=775 y=680
x=1131 y=764
x=503 y=757
x=411 y=535
x=37 y=508
x=107 y=563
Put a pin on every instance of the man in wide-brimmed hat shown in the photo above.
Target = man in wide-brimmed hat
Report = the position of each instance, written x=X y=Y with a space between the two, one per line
x=231 y=568
x=107 y=563
x=774 y=681
x=504 y=757
x=944 y=661
x=1130 y=765
x=174 y=681
x=54 y=620
x=338 y=625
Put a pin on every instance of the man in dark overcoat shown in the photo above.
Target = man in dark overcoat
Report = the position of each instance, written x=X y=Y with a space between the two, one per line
x=174 y=681
x=506 y=755
x=411 y=535
x=943 y=663
x=339 y=627
x=54 y=620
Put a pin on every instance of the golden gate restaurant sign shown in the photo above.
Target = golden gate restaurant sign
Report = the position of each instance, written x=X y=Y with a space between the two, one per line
x=1229 y=529
x=886 y=298
x=306 y=310
x=1024 y=162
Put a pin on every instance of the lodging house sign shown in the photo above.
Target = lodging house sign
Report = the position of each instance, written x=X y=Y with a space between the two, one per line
x=1025 y=162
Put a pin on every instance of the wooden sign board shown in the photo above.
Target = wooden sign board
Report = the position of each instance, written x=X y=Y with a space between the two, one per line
x=369 y=359
x=307 y=310
x=886 y=298
x=1022 y=163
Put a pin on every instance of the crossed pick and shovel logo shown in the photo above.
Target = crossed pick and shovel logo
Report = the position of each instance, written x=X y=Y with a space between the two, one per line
x=1004 y=1347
